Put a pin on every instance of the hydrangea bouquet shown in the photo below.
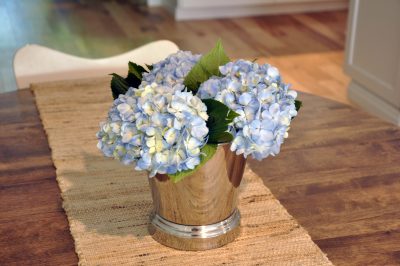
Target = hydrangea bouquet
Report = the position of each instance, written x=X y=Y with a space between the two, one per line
x=168 y=118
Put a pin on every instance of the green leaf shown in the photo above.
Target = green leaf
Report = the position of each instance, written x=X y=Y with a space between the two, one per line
x=219 y=118
x=207 y=153
x=135 y=74
x=136 y=70
x=149 y=67
x=132 y=80
x=298 y=104
x=118 y=85
x=223 y=137
x=207 y=66
x=232 y=115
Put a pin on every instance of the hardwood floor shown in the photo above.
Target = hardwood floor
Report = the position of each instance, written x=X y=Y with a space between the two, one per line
x=103 y=28
x=316 y=73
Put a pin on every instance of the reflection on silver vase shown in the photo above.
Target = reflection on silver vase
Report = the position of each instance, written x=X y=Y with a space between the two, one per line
x=199 y=212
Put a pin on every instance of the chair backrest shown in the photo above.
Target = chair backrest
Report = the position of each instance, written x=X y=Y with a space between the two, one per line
x=34 y=63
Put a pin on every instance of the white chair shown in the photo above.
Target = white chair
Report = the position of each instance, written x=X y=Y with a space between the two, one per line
x=34 y=63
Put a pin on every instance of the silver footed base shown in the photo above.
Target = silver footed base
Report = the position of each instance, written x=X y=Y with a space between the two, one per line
x=195 y=237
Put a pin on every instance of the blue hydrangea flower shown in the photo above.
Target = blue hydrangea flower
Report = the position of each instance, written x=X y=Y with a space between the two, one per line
x=157 y=127
x=265 y=104
x=171 y=71
x=117 y=137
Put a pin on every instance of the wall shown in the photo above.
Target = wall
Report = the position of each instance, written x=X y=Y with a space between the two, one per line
x=205 y=9
x=373 y=57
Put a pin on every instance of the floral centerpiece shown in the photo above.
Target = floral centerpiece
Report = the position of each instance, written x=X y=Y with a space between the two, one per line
x=170 y=118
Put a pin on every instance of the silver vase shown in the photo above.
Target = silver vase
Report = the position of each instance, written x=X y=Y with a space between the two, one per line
x=199 y=212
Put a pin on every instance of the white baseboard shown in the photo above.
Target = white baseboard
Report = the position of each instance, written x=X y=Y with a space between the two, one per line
x=154 y=3
x=373 y=104
x=191 y=13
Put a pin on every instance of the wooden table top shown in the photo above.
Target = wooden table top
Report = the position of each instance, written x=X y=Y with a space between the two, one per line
x=338 y=174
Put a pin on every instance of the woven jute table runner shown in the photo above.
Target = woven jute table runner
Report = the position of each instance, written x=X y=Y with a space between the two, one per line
x=108 y=205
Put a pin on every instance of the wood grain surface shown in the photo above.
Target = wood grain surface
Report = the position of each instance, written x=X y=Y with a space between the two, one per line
x=103 y=28
x=33 y=225
x=338 y=175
